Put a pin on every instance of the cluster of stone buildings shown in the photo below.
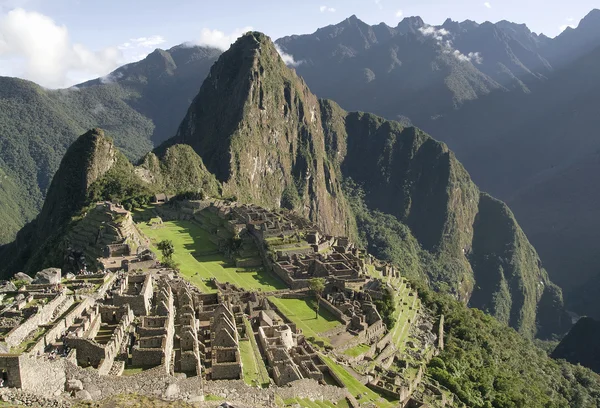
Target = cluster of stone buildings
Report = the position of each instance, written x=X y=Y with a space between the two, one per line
x=140 y=316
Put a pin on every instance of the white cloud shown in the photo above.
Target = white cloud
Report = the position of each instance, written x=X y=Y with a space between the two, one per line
x=143 y=42
x=399 y=13
x=112 y=77
x=323 y=9
x=287 y=58
x=488 y=4
x=218 y=39
x=43 y=52
x=378 y=4
x=440 y=34
x=431 y=31
x=570 y=19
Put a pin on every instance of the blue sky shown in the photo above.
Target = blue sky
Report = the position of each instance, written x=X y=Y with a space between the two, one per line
x=58 y=43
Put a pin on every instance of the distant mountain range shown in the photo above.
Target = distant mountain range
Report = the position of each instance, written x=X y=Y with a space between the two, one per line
x=519 y=109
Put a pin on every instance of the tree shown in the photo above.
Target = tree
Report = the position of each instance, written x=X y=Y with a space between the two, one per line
x=317 y=285
x=167 y=249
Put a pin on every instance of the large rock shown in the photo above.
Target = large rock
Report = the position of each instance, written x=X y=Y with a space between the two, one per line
x=74 y=385
x=23 y=276
x=49 y=276
x=83 y=395
x=7 y=286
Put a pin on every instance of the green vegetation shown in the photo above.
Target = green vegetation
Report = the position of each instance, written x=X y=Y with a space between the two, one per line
x=132 y=370
x=255 y=371
x=305 y=403
x=301 y=312
x=355 y=387
x=199 y=259
x=166 y=248
x=357 y=350
x=317 y=285
x=487 y=364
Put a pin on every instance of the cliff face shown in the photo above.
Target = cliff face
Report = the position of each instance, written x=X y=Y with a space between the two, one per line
x=483 y=255
x=258 y=129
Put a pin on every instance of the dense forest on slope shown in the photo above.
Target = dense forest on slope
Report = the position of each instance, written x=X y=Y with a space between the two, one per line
x=486 y=364
x=136 y=105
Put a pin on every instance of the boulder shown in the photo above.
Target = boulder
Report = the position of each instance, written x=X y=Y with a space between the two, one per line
x=7 y=286
x=23 y=276
x=69 y=276
x=83 y=395
x=172 y=391
x=74 y=385
x=48 y=276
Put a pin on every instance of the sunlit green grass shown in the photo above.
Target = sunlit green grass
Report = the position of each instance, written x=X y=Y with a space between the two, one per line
x=199 y=259
x=302 y=312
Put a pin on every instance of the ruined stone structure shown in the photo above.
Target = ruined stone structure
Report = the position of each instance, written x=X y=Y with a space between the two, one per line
x=135 y=314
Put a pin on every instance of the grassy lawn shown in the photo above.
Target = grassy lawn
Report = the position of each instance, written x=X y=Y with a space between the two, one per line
x=356 y=388
x=357 y=350
x=198 y=258
x=402 y=314
x=302 y=312
x=132 y=370
x=254 y=368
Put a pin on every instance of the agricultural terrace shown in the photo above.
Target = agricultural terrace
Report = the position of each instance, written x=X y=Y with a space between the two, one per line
x=199 y=260
x=356 y=388
x=302 y=312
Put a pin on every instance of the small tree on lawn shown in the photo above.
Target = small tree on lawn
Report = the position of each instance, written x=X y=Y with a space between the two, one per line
x=167 y=249
x=317 y=285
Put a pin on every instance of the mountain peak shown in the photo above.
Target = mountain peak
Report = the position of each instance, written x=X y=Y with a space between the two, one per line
x=410 y=24
x=591 y=20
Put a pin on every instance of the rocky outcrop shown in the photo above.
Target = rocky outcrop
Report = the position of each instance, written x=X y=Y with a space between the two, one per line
x=258 y=129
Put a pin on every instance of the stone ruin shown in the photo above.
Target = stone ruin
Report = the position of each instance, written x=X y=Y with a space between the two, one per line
x=136 y=315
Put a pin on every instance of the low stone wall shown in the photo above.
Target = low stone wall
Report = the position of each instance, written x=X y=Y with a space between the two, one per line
x=324 y=303
x=43 y=316
x=59 y=327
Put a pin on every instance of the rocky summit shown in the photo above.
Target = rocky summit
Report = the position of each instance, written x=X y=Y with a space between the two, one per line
x=281 y=251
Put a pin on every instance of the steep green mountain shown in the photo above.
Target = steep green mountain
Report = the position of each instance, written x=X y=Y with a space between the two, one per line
x=539 y=152
x=580 y=345
x=136 y=105
x=258 y=129
x=270 y=141
x=93 y=170
x=529 y=141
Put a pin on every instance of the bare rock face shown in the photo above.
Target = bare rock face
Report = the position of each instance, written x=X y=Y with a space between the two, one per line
x=50 y=276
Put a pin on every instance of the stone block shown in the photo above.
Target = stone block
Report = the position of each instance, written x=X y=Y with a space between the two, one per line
x=74 y=385
x=50 y=276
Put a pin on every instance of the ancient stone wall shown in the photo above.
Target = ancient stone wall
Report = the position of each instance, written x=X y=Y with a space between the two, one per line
x=42 y=376
x=140 y=303
x=10 y=363
x=43 y=316
x=325 y=304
